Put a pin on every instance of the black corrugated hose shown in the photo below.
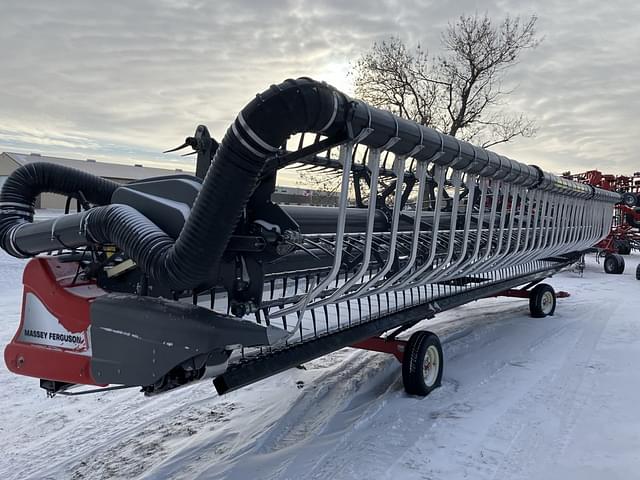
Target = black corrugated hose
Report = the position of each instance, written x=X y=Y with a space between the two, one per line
x=301 y=105
x=20 y=190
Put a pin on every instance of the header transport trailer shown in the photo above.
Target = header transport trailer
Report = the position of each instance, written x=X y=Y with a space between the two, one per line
x=165 y=281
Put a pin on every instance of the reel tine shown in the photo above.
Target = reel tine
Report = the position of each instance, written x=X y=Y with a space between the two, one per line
x=317 y=245
x=184 y=145
x=305 y=249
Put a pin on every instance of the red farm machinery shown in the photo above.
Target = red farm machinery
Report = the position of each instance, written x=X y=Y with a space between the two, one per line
x=624 y=236
x=166 y=281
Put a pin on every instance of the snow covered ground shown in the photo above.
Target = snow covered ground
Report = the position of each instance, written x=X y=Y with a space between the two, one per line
x=552 y=398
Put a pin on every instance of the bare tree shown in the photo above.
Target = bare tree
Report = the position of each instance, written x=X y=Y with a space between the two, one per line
x=458 y=91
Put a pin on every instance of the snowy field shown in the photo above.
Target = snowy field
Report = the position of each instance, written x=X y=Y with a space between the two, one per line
x=552 y=398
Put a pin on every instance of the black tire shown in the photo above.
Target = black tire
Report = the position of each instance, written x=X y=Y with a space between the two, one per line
x=613 y=264
x=623 y=247
x=417 y=378
x=631 y=219
x=542 y=300
x=638 y=272
x=629 y=199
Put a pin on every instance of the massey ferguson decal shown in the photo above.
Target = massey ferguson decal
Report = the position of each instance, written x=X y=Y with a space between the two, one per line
x=42 y=328
x=53 y=336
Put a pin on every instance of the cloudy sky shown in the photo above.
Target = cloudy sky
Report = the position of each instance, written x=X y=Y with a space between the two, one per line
x=124 y=80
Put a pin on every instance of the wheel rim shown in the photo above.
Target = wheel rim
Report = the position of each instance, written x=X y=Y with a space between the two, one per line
x=546 y=303
x=431 y=365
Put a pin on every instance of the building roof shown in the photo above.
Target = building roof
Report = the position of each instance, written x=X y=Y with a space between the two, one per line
x=101 y=169
x=292 y=190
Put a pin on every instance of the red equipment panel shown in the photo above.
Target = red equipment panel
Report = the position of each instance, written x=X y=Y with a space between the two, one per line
x=53 y=341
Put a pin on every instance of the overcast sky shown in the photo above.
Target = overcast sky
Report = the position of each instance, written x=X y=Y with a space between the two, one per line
x=123 y=81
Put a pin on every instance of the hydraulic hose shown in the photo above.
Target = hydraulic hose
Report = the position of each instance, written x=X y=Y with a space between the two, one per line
x=260 y=129
x=301 y=105
x=22 y=187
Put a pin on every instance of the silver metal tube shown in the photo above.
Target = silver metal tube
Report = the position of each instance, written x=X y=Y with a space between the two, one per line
x=398 y=168
x=514 y=217
x=346 y=157
x=421 y=173
x=440 y=175
x=444 y=266
x=373 y=164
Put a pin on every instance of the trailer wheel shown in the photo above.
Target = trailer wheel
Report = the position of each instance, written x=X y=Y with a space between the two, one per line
x=638 y=272
x=422 y=364
x=614 y=264
x=624 y=247
x=629 y=199
x=542 y=300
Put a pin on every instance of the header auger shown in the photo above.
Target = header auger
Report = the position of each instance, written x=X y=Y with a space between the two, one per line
x=164 y=281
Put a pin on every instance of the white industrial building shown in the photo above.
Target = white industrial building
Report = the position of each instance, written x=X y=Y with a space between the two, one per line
x=117 y=172
x=121 y=173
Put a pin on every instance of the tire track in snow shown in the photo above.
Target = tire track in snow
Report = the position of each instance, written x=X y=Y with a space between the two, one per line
x=320 y=402
x=405 y=420
x=336 y=394
x=131 y=440
x=509 y=445
x=557 y=397
x=133 y=454
x=348 y=398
